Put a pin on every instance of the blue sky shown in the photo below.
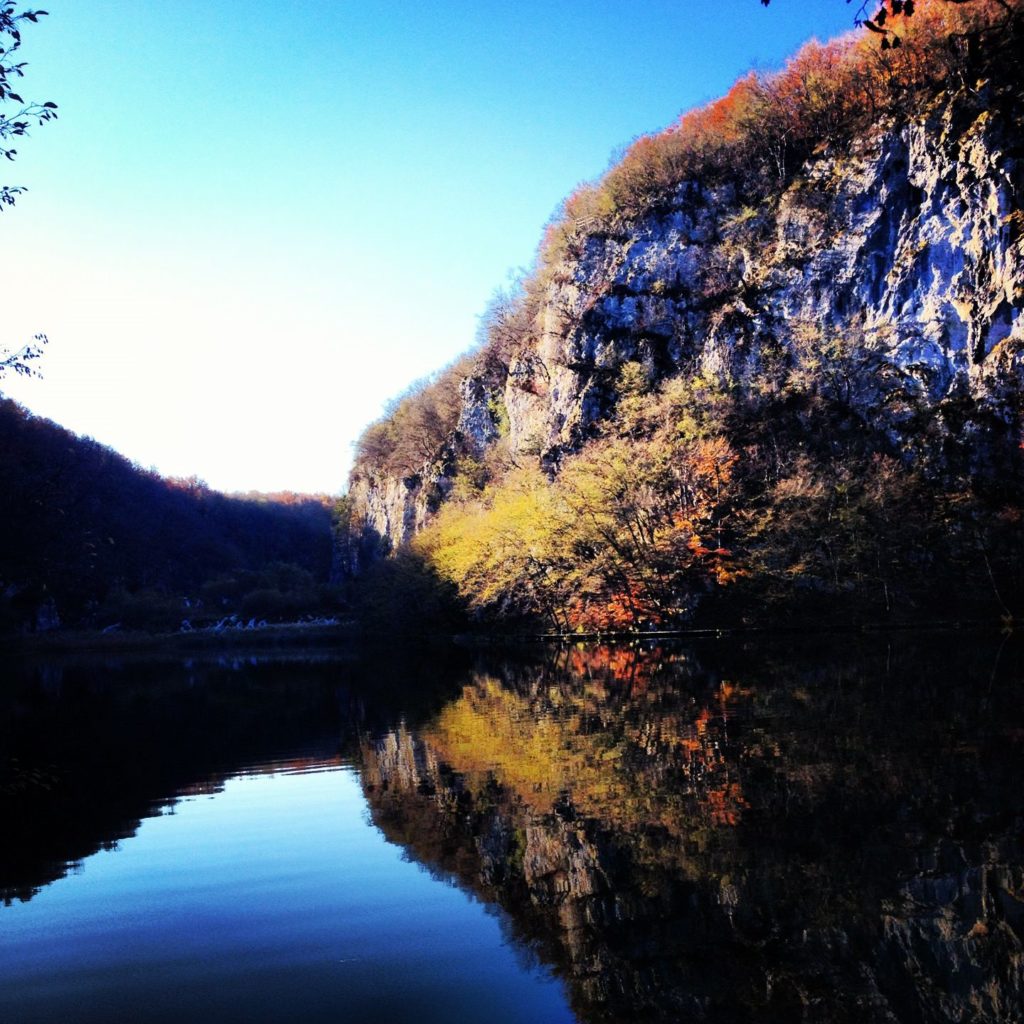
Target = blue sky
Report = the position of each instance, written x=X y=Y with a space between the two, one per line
x=255 y=222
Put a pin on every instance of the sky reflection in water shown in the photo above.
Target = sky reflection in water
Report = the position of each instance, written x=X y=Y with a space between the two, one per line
x=271 y=900
x=731 y=833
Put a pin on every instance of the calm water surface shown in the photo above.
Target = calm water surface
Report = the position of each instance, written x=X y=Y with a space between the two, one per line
x=726 y=832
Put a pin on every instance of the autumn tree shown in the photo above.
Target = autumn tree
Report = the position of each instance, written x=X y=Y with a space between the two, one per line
x=505 y=329
x=415 y=426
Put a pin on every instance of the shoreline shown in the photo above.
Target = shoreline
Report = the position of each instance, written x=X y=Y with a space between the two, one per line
x=290 y=636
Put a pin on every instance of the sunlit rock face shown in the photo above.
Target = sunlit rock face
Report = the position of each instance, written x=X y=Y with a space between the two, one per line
x=908 y=248
x=388 y=511
x=819 y=847
x=905 y=252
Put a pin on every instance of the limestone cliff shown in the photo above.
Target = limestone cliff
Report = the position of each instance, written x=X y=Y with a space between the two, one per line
x=905 y=247
x=912 y=242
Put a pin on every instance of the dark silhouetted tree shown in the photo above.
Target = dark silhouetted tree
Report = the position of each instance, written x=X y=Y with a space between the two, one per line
x=26 y=113
x=12 y=125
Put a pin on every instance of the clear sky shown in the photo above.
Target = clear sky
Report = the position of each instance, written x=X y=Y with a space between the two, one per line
x=256 y=221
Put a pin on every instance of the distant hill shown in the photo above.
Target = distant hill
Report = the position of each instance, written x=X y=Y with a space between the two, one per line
x=88 y=537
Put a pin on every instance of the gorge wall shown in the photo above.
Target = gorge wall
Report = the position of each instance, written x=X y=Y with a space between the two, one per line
x=910 y=248
x=849 y=293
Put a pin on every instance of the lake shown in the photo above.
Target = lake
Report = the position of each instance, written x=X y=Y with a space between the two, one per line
x=732 y=830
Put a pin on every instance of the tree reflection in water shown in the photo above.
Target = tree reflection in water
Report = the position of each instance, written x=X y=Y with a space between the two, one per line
x=734 y=836
x=733 y=831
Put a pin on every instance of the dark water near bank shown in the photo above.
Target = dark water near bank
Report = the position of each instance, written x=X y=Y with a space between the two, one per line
x=730 y=831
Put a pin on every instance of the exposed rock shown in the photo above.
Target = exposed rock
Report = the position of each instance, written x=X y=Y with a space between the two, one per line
x=389 y=510
x=908 y=247
x=478 y=426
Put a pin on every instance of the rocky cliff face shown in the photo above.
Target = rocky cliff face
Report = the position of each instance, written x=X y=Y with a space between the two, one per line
x=904 y=249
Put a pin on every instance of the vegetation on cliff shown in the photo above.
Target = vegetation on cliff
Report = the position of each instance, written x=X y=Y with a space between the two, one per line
x=813 y=468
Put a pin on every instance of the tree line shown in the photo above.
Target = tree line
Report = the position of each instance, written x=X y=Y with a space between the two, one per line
x=98 y=540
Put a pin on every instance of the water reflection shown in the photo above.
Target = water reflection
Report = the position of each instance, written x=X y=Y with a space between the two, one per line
x=89 y=747
x=734 y=837
x=722 y=832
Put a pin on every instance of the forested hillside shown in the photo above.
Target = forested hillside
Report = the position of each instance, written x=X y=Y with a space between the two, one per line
x=769 y=366
x=90 y=538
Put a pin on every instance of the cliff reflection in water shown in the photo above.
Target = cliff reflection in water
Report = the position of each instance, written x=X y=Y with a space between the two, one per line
x=831 y=840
